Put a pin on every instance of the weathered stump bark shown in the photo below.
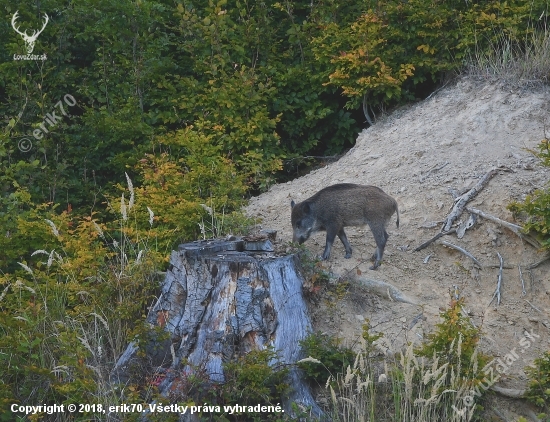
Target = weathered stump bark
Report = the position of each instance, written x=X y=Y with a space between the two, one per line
x=220 y=299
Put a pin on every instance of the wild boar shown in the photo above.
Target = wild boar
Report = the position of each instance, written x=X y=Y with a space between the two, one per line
x=342 y=205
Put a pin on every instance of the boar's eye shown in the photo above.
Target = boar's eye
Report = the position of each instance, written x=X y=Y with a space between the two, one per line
x=298 y=224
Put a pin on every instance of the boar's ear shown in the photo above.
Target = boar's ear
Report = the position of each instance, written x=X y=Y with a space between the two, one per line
x=292 y=203
x=306 y=208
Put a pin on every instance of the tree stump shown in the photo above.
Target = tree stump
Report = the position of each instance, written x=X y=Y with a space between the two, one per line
x=220 y=299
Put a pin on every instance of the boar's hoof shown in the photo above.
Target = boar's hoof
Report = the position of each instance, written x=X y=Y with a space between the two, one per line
x=348 y=255
x=375 y=266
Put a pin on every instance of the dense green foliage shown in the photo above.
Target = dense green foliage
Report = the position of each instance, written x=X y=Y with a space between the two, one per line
x=536 y=207
x=66 y=317
x=254 y=379
x=265 y=79
x=259 y=82
x=539 y=384
x=257 y=377
x=456 y=328
x=334 y=358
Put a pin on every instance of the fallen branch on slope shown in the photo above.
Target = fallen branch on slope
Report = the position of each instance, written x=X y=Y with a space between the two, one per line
x=430 y=171
x=533 y=306
x=510 y=226
x=461 y=201
x=384 y=290
x=433 y=239
x=506 y=267
x=536 y=264
x=523 y=292
x=499 y=283
x=508 y=392
x=464 y=251
x=500 y=415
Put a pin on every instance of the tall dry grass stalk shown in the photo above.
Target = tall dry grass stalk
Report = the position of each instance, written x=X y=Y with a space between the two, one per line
x=407 y=389
x=520 y=63
x=86 y=309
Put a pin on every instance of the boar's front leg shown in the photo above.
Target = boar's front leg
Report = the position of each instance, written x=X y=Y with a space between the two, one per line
x=331 y=235
x=344 y=239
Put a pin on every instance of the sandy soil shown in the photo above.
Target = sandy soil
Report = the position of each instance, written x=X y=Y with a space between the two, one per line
x=472 y=126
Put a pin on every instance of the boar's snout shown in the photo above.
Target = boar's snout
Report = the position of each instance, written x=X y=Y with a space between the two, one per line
x=298 y=239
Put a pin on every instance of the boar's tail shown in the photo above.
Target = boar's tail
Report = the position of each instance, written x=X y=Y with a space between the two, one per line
x=397 y=210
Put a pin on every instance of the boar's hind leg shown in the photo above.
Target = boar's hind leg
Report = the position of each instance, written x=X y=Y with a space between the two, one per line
x=380 y=237
x=344 y=239
x=331 y=235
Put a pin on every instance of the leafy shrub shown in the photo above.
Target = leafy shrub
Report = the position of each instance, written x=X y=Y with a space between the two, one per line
x=465 y=359
x=539 y=382
x=69 y=311
x=256 y=377
x=537 y=205
x=436 y=382
x=188 y=182
x=23 y=228
x=455 y=344
x=355 y=54
x=333 y=357
x=393 y=49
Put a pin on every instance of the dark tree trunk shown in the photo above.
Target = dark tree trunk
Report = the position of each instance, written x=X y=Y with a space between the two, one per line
x=221 y=299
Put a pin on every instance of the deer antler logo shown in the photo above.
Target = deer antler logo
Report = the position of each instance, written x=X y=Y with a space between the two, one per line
x=29 y=39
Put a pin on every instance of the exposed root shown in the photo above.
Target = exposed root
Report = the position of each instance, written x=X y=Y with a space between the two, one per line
x=384 y=290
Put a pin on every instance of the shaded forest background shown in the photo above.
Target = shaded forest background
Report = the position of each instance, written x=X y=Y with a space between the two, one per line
x=183 y=110
x=220 y=95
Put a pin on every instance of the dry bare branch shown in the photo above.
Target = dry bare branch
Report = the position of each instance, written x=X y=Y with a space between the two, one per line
x=468 y=224
x=433 y=239
x=523 y=292
x=506 y=267
x=536 y=264
x=366 y=110
x=430 y=171
x=383 y=289
x=462 y=250
x=508 y=392
x=500 y=414
x=460 y=202
x=499 y=282
x=510 y=226
x=533 y=306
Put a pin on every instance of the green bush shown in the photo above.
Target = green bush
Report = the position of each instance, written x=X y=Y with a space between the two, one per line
x=455 y=327
x=69 y=311
x=440 y=381
x=257 y=377
x=539 y=382
x=187 y=178
x=265 y=82
x=333 y=357
x=454 y=345
x=536 y=206
x=394 y=49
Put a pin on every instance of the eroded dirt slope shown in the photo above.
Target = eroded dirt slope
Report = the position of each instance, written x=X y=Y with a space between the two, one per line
x=472 y=126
